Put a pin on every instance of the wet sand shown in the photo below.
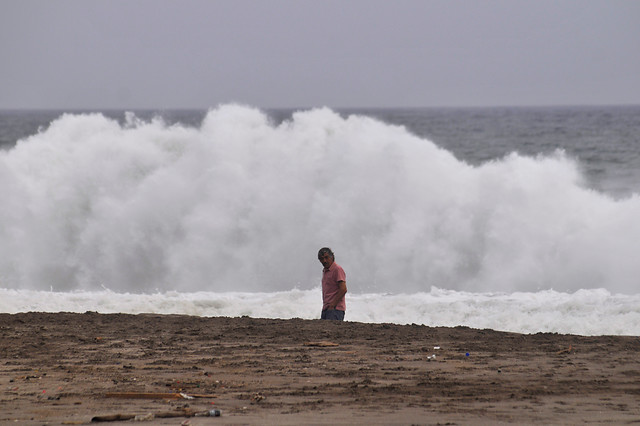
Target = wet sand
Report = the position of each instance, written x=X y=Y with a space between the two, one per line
x=70 y=368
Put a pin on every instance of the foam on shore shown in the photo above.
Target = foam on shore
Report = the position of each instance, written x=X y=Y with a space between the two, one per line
x=585 y=312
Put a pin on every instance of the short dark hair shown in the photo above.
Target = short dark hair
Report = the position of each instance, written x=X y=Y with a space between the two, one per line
x=325 y=250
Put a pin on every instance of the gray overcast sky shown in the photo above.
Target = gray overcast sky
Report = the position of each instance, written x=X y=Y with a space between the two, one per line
x=337 y=53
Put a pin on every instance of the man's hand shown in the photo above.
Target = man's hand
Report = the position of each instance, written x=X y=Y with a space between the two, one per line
x=341 y=292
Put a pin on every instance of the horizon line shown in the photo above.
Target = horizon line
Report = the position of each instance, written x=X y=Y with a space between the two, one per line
x=308 y=107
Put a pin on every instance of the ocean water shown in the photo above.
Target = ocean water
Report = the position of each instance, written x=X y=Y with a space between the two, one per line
x=517 y=219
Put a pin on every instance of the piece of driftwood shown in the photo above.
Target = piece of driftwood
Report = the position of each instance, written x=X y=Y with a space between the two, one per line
x=150 y=395
x=113 y=417
x=143 y=395
x=565 y=351
x=160 y=415
x=322 y=344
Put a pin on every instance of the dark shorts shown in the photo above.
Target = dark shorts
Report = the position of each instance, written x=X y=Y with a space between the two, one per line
x=332 y=314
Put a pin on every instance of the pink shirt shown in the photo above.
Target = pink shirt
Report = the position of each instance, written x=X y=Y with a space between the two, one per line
x=330 y=279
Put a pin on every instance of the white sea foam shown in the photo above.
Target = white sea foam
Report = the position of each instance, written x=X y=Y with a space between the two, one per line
x=239 y=204
x=585 y=312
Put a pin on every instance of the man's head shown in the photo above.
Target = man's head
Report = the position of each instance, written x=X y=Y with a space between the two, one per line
x=326 y=257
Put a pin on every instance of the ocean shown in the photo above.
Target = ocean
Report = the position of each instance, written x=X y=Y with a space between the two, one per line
x=515 y=219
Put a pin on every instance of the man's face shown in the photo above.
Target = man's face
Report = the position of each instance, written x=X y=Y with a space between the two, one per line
x=326 y=259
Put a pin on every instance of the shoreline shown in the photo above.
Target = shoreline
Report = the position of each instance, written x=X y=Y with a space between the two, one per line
x=64 y=368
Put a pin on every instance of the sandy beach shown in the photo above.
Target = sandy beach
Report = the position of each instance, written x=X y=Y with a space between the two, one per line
x=66 y=368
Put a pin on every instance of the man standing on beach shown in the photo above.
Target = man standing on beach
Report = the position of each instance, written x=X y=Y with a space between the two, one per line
x=334 y=286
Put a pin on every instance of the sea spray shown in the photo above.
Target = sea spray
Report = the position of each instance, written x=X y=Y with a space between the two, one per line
x=242 y=204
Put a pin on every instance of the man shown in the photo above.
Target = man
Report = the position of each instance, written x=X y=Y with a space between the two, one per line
x=334 y=286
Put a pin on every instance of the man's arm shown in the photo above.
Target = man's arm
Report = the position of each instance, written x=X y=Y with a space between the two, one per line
x=342 y=290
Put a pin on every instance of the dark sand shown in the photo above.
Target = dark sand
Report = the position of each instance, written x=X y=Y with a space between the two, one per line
x=59 y=368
